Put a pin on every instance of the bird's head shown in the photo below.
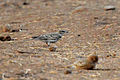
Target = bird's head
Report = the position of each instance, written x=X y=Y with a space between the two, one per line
x=93 y=58
x=63 y=31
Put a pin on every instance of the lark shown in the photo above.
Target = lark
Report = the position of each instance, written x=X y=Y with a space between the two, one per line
x=87 y=64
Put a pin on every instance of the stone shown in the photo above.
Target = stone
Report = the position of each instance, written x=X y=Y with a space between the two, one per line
x=79 y=9
x=68 y=72
x=53 y=48
x=5 y=38
x=8 y=38
x=107 y=8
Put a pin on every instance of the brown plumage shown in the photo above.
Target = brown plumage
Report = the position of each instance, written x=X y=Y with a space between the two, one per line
x=87 y=64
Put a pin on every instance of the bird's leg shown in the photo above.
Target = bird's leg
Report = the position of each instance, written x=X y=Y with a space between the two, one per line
x=47 y=44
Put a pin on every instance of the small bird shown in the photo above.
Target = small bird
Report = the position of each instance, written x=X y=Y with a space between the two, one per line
x=87 y=64
x=51 y=37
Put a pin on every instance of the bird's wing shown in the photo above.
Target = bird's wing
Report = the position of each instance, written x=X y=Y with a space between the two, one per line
x=43 y=37
x=55 y=36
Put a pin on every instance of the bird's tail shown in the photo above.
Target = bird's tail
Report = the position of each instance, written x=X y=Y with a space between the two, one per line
x=35 y=38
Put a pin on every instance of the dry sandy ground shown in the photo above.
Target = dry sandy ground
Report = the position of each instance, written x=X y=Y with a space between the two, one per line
x=91 y=29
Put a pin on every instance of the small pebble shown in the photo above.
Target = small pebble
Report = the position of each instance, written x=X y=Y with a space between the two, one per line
x=2 y=38
x=108 y=55
x=79 y=9
x=111 y=55
x=53 y=48
x=79 y=35
x=114 y=55
x=106 y=34
x=15 y=30
x=68 y=72
x=43 y=79
x=107 y=8
x=8 y=38
x=5 y=38
x=53 y=72
x=95 y=17
x=25 y=3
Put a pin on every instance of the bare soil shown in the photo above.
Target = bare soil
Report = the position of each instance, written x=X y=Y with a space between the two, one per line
x=91 y=29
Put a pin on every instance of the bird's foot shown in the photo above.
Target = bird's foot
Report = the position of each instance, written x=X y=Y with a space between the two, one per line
x=46 y=46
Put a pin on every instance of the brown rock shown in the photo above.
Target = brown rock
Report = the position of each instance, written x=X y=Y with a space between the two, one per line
x=68 y=72
x=53 y=48
x=2 y=38
x=8 y=38
x=5 y=38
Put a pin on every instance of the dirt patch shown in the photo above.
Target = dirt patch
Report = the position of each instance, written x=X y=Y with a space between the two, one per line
x=91 y=29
